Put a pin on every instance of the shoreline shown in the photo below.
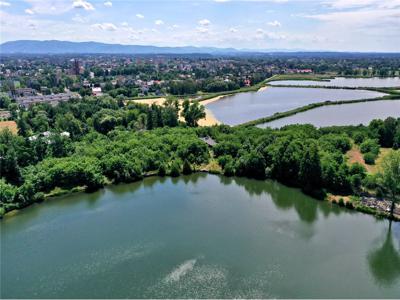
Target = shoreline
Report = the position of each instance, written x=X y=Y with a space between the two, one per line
x=312 y=106
x=328 y=198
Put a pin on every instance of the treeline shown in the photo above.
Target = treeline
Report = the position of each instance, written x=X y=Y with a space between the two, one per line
x=190 y=87
x=300 y=155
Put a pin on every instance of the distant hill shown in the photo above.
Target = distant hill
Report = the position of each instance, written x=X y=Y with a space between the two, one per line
x=63 y=47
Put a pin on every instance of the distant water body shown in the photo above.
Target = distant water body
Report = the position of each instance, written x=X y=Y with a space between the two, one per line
x=344 y=82
x=244 y=107
x=198 y=236
x=344 y=114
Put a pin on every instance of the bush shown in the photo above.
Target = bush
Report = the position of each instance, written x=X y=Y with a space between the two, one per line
x=229 y=169
x=224 y=160
x=369 y=158
x=358 y=138
x=162 y=171
x=175 y=169
x=349 y=205
x=341 y=202
x=370 y=182
x=370 y=145
x=251 y=165
x=187 y=168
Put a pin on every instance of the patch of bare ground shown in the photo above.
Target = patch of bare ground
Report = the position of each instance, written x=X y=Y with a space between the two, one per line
x=11 y=125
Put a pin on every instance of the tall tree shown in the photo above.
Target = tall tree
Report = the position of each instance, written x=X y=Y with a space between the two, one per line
x=390 y=177
x=193 y=112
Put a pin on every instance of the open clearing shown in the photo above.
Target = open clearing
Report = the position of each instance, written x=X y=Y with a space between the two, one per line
x=10 y=125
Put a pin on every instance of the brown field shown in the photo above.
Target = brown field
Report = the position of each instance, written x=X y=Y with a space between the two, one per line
x=10 y=125
x=354 y=155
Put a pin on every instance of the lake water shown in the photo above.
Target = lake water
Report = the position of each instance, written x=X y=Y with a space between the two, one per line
x=345 y=82
x=199 y=236
x=345 y=114
x=244 y=107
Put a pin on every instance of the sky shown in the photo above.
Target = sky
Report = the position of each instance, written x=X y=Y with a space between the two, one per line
x=334 y=25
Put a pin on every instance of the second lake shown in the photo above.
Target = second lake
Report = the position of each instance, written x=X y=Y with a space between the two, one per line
x=244 y=107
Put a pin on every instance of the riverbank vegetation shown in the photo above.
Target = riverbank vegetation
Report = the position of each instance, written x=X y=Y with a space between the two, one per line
x=97 y=141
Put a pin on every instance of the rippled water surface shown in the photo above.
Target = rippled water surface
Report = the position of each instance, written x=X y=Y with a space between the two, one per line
x=197 y=236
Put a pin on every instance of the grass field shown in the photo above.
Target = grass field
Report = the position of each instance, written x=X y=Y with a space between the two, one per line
x=11 y=125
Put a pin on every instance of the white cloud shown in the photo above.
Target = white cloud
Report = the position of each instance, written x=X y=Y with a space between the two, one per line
x=49 y=7
x=275 y=23
x=159 y=22
x=140 y=16
x=173 y=27
x=29 y=11
x=82 y=4
x=221 y=1
x=125 y=24
x=4 y=3
x=347 y=4
x=204 y=22
x=202 y=29
x=105 y=26
x=108 y=3
x=79 y=19
x=261 y=34
x=233 y=29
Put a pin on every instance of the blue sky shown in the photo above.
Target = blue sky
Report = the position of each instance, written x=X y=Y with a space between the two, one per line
x=342 y=25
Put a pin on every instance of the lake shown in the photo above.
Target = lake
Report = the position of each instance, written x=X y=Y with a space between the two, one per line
x=244 y=107
x=198 y=236
x=344 y=82
x=344 y=114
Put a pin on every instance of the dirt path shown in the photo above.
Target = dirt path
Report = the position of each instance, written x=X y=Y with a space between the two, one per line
x=354 y=155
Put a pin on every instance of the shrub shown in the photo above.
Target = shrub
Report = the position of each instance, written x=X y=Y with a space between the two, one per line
x=175 y=169
x=341 y=202
x=358 y=138
x=370 y=182
x=162 y=171
x=251 y=165
x=349 y=205
x=224 y=160
x=369 y=158
x=370 y=145
x=187 y=168
x=229 y=169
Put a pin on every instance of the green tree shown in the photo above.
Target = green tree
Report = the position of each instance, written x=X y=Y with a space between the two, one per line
x=192 y=112
x=310 y=174
x=390 y=177
x=187 y=168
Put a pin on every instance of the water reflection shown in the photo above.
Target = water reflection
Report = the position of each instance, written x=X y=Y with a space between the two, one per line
x=285 y=198
x=384 y=262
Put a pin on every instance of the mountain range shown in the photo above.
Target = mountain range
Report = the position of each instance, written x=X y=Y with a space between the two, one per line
x=67 y=47
x=64 y=47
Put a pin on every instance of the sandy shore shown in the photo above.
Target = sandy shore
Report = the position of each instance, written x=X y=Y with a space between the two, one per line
x=262 y=88
x=209 y=120
x=211 y=100
x=150 y=101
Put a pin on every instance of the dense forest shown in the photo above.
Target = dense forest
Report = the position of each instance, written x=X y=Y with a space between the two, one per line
x=89 y=143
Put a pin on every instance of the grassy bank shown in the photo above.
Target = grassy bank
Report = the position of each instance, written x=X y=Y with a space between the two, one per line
x=302 y=77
